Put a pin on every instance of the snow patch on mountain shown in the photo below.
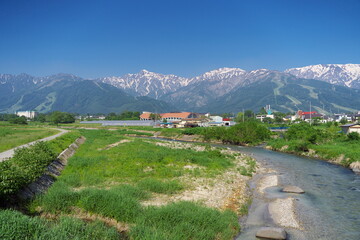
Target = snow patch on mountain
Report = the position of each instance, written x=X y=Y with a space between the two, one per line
x=340 y=74
x=146 y=83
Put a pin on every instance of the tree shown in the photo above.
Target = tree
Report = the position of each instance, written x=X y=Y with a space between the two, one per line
x=262 y=111
x=249 y=114
x=57 y=117
x=41 y=117
x=239 y=117
x=343 y=121
x=155 y=116
x=18 y=120
x=353 y=136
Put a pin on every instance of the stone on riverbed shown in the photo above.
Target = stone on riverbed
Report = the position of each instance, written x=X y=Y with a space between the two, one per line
x=271 y=233
x=355 y=166
x=292 y=189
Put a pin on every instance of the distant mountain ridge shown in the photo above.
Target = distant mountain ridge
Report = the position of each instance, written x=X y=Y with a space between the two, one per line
x=347 y=75
x=218 y=90
x=147 y=83
x=66 y=92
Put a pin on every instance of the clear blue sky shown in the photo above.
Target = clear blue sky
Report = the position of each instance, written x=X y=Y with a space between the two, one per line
x=105 y=38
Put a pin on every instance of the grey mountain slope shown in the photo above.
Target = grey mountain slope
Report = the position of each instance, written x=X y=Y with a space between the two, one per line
x=205 y=90
x=287 y=93
x=70 y=93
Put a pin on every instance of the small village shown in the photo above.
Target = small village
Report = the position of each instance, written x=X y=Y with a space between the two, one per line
x=347 y=121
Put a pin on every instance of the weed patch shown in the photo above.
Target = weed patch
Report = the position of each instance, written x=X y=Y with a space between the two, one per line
x=185 y=220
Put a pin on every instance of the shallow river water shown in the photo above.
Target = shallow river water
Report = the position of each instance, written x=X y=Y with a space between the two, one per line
x=329 y=209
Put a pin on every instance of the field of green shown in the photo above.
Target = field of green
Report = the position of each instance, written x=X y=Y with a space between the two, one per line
x=15 y=135
x=108 y=181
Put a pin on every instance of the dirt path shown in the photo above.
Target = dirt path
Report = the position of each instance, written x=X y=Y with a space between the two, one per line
x=9 y=153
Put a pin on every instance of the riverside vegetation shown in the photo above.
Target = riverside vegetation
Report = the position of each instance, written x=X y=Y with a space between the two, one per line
x=27 y=164
x=139 y=189
x=324 y=141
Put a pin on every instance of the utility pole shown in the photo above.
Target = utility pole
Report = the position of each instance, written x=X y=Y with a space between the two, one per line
x=310 y=112
x=243 y=115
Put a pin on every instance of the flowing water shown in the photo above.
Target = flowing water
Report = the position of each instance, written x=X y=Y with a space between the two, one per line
x=329 y=209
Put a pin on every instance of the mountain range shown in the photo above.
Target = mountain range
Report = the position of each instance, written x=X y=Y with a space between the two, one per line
x=328 y=87
x=65 y=92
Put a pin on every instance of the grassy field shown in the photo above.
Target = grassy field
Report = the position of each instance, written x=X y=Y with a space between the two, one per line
x=15 y=135
x=143 y=189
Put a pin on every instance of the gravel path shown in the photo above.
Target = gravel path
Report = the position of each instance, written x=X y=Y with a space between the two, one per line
x=7 y=154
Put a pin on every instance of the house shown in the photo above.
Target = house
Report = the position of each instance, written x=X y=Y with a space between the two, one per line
x=170 y=117
x=178 y=116
x=349 y=128
x=228 y=122
x=27 y=114
x=145 y=116
x=341 y=116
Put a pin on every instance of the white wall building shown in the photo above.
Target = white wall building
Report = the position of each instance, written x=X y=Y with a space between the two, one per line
x=27 y=114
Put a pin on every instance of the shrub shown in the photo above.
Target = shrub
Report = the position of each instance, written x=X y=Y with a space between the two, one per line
x=18 y=120
x=27 y=164
x=24 y=167
x=304 y=131
x=250 y=132
x=353 y=136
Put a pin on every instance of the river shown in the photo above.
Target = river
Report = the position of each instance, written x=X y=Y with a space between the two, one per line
x=329 y=209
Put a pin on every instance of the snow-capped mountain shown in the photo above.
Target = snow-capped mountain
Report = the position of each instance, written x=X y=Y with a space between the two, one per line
x=214 y=84
x=340 y=74
x=219 y=74
x=147 y=83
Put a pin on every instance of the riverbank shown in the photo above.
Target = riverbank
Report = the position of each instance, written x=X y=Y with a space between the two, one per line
x=339 y=159
x=152 y=188
x=331 y=194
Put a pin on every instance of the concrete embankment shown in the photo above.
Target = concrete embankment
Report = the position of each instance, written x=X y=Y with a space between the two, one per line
x=53 y=170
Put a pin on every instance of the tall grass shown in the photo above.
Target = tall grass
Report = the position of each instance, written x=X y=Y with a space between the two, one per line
x=14 y=225
x=184 y=220
x=156 y=186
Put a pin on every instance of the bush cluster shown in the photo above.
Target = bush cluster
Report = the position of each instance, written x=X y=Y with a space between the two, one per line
x=24 y=167
x=27 y=164
x=250 y=132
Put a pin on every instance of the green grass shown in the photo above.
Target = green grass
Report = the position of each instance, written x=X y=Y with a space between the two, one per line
x=156 y=186
x=14 y=135
x=15 y=225
x=133 y=161
x=113 y=182
x=171 y=132
x=184 y=220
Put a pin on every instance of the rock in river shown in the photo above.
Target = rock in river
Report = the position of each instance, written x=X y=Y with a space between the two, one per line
x=292 y=189
x=271 y=233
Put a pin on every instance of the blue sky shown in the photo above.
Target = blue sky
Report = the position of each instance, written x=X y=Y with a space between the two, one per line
x=187 y=38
